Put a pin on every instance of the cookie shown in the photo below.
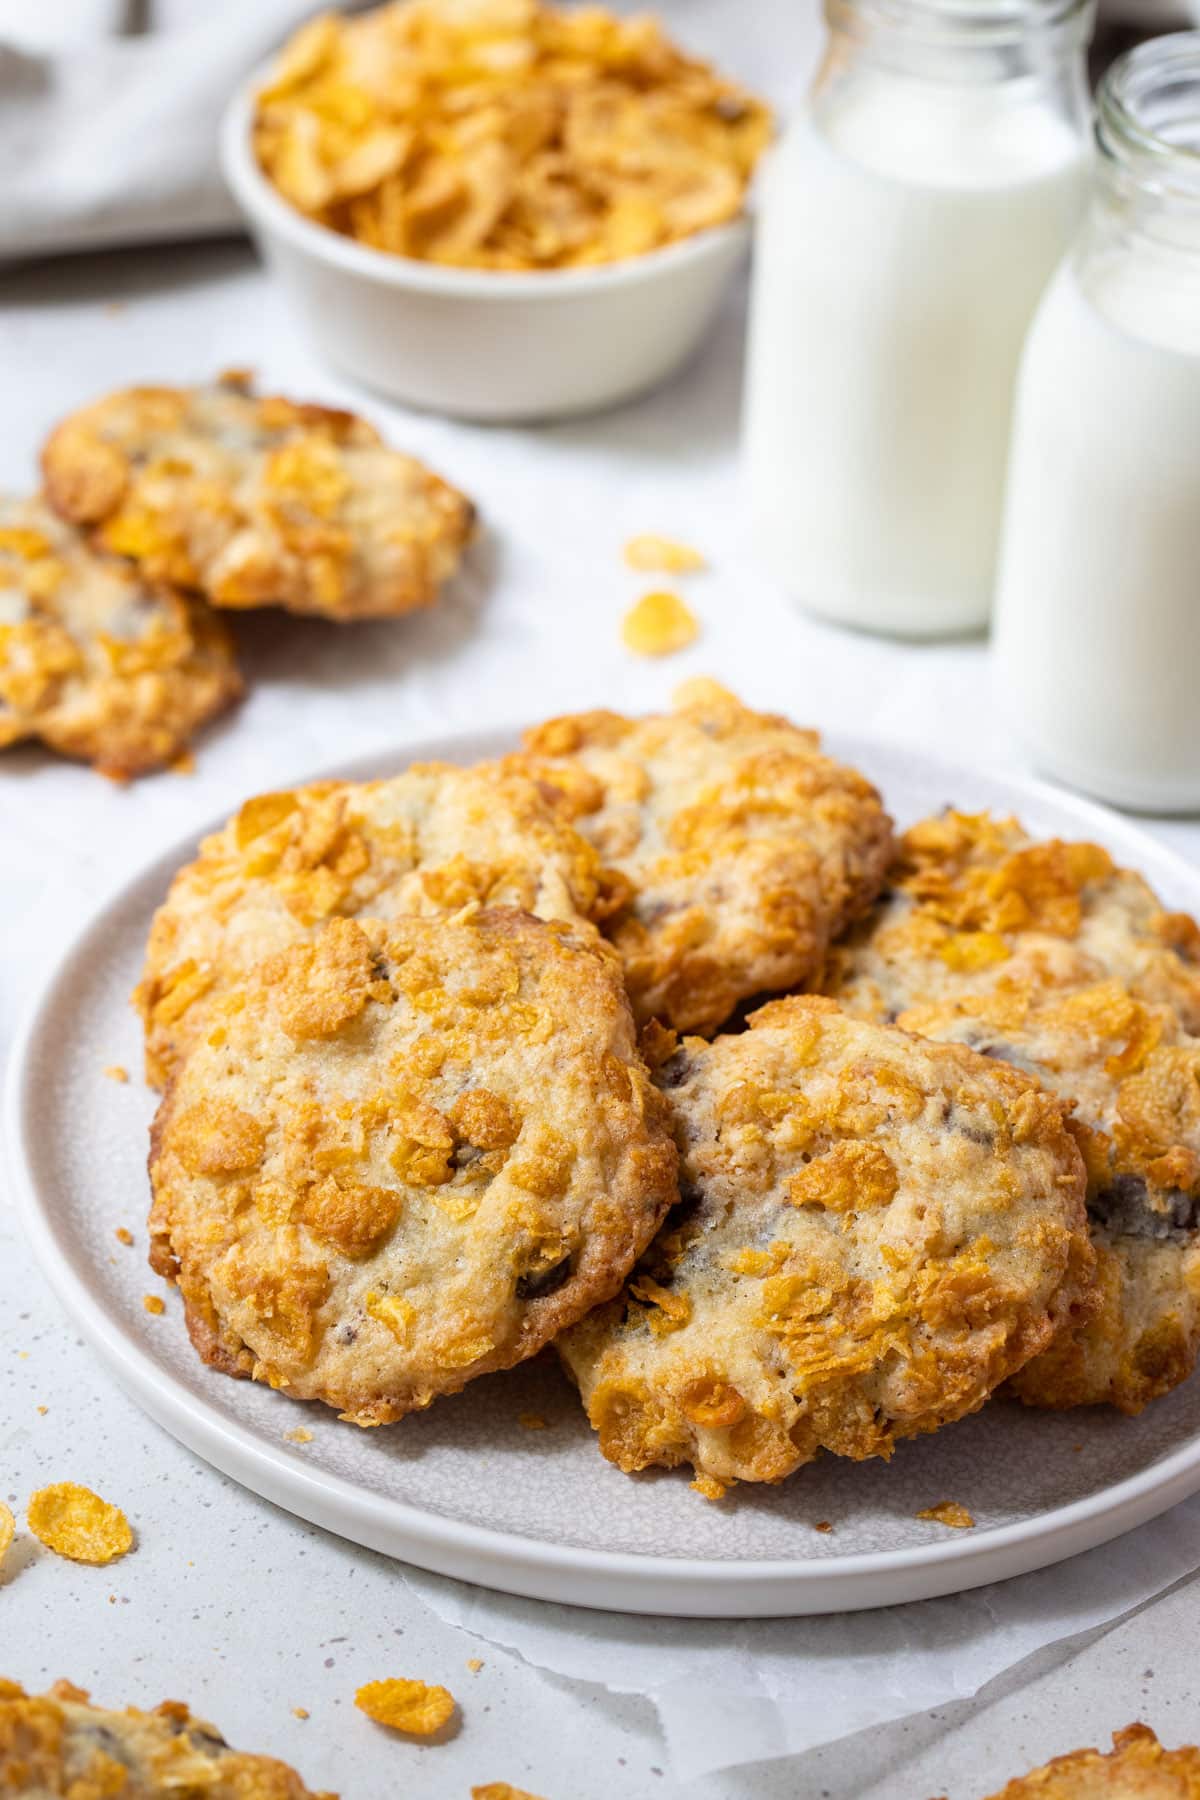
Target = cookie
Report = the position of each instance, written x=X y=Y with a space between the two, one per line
x=95 y=660
x=1048 y=957
x=744 y=849
x=60 y=1744
x=427 y=841
x=257 y=500
x=973 y=899
x=406 y=1155
x=875 y=1232
x=1136 y=1768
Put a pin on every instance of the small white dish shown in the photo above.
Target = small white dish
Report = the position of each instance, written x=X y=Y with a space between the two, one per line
x=462 y=1489
x=477 y=343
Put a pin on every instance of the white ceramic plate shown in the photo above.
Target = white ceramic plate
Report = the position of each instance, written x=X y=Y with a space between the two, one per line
x=463 y=1489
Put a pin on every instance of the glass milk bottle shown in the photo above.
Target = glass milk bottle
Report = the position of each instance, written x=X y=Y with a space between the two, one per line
x=1097 y=647
x=909 y=220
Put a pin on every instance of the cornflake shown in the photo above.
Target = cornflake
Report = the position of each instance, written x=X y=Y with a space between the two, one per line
x=658 y=624
x=8 y=1526
x=117 y=1072
x=406 y=1705
x=505 y=134
x=661 y=554
x=76 y=1523
x=154 y=1304
x=123 y=1235
x=501 y=1790
x=948 y=1512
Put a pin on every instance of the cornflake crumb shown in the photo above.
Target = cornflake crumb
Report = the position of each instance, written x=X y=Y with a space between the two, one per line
x=474 y=1663
x=43 y=1410
x=709 y=1486
x=300 y=1712
x=76 y=1523
x=501 y=1790
x=299 y=1435
x=117 y=1072
x=649 y=552
x=410 y=1706
x=822 y=1525
x=154 y=1303
x=123 y=1235
x=531 y=1421
x=658 y=624
x=8 y=1526
x=948 y=1512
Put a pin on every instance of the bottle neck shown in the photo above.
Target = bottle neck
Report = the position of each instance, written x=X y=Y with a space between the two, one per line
x=1147 y=189
x=963 y=43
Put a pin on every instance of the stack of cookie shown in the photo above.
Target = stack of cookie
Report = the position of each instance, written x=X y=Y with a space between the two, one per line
x=427 y=1107
x=163 y=507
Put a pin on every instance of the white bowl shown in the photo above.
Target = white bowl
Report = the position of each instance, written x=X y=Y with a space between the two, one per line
x=478 y=343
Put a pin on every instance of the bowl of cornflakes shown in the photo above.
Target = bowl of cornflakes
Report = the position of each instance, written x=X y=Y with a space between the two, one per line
x=498 y=209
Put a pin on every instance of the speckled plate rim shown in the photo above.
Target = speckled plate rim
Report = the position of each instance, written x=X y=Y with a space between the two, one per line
x=532 y=1568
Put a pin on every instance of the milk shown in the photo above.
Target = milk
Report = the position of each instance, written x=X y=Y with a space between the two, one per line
x=1098 y=609
x=907 y=230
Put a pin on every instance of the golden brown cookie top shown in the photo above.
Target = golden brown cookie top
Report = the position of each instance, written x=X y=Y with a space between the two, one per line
x=407 y=1154
x=1047 y=956
x=1137 y=1767
x=875 y=1232
x=256 y=500
x=744 y=849
x=428 y=841
x=59 y=1744
x=95 y=660
x=974 y=898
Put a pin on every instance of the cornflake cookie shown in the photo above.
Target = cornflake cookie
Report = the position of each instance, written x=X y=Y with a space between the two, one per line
x=745 y=851
x=428 y=841
x=505 y=134
x=1136 y=1768
x=408 y=1155
x=1046 y=956
x=258 y=501
x=875 y=1233
x=95 y=660
x=59 y=1744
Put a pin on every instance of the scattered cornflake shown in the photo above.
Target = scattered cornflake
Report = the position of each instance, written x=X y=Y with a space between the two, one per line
x=299 y=1435
x=474 y=1663
x=822 y=1525
x=76 y=1523
x=710 y=1487
x=8 y=1526
x=948 y=1512
x=43 y=1410
x=501 y=1790
x=410 y=1706
x=123 y=1235
x=154 y=1303
x=531 y=1421
x=117 y=1072
x=649 y=552
x=658 y=624
x=300 y=1712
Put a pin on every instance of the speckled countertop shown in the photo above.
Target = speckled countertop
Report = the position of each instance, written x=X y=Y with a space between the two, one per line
x=227 y=1602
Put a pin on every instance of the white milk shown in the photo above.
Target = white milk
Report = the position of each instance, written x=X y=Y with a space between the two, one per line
x=907 y=231
x=1098 y=607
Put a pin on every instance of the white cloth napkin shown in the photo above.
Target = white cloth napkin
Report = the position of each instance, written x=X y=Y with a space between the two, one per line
x=732 y=1692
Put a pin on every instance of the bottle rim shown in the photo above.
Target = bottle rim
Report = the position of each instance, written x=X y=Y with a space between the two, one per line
x=988 y=24
x=1137 y=113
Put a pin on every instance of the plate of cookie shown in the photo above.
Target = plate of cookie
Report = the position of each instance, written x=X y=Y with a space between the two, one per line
x=668 y=1165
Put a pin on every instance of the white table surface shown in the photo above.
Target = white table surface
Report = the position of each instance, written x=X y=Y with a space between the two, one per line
x=237 y=1607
